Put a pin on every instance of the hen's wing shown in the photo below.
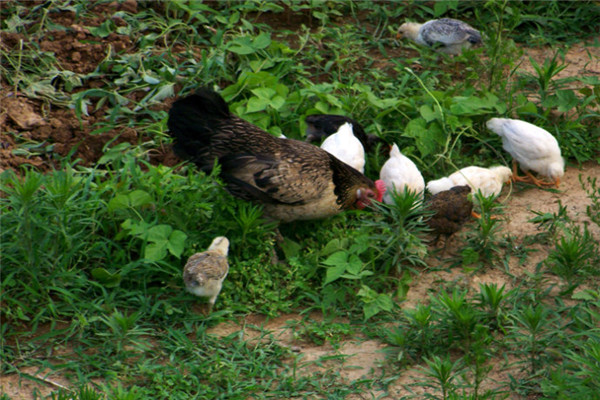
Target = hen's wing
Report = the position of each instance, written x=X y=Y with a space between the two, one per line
x=525 y=141
x=293 y=177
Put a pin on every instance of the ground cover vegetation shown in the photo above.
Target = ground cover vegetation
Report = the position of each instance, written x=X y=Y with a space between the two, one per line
x=98 y=216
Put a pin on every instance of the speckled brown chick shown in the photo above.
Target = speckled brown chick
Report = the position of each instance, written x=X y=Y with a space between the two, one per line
x=293 y=180
x=452 y=209
x=205 y=272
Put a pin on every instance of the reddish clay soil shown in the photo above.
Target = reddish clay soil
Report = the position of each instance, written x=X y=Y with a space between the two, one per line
x=57 y=129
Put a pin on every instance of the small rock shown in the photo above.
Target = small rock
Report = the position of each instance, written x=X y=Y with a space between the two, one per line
x=22 y=113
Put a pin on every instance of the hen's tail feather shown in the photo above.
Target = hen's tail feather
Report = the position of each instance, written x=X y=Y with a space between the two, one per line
x=194 y=119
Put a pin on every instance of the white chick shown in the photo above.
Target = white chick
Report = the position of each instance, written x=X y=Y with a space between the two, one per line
x=400 y=172
x=346 y=147
x=205 y=272
x=534 y=148
x=450 y=34
x=488 y=180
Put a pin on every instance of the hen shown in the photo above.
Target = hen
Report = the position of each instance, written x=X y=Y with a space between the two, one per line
x=346 y=147
x=452 y=208
x=292 y=179
x=534 y=148
x=400 y=172
x=488 y=180
x=205 y=272
x=451 y=35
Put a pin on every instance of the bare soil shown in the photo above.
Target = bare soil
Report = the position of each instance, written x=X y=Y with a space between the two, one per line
x=37 y=121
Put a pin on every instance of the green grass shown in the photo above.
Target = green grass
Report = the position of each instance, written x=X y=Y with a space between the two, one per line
x=91 y=255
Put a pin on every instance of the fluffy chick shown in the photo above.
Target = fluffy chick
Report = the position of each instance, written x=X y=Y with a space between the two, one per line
x=452 y=208
x=488 y=180
x=451 y=35
x=205 y=272
x=534 y=148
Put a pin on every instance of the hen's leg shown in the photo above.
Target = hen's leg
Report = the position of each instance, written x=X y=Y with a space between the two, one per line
x=516 y=177
x=542 y=183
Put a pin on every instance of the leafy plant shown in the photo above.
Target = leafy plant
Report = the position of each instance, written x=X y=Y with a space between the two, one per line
x=398 y=230
x=443 y=373
x=575 y=256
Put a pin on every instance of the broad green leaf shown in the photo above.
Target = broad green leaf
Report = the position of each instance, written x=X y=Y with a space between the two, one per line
x=333 y=101
x=277 y=102
x=331 y=246
x=156 y=251
x=322 y=107
x=262 y=41
x=176 y=243
x=139 y=198
x=566 y=100
x=355 y=265
x=383 y=302
x=256 y=104
x=357 y=276
x=241 y=45
x=264 y=93
x=130 y=200
x=334 y=273
x=427 y=138
x=337 y=258
x=159 y=233
x=428 y=114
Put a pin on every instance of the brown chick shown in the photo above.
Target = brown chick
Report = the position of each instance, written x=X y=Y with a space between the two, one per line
x=452 y=209
x=205 y=272
x=293 y=180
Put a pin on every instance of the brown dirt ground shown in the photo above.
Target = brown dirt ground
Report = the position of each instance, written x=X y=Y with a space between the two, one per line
x=36 y=120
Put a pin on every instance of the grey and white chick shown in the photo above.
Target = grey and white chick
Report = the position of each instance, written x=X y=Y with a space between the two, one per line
x=205 y=272
x=451 y=35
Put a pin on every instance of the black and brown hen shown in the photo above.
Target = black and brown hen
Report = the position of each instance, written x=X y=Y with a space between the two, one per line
x=292 y=179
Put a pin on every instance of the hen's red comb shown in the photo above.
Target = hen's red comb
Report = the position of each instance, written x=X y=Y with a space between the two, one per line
x=380 y=185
